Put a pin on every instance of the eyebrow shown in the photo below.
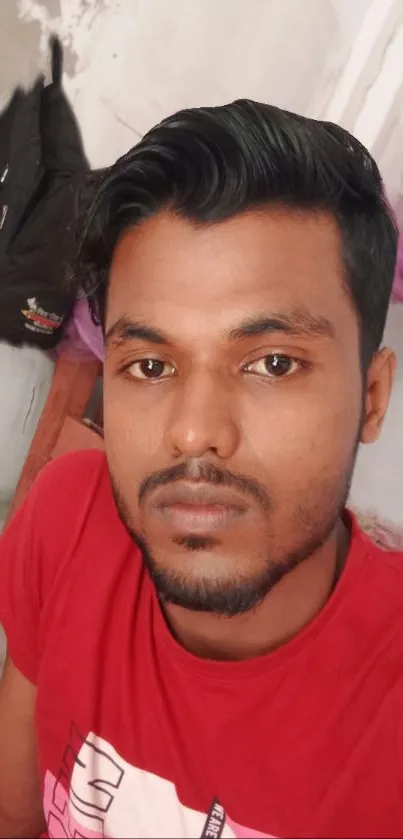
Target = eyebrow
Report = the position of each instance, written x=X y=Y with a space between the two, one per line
x=299 y=322
x=130 y=330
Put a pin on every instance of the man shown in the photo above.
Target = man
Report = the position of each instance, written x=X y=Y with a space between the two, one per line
x=201 y=640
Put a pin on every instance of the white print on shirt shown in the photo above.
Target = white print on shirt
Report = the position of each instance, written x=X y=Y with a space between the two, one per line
x=38 y=319
x=98 y=794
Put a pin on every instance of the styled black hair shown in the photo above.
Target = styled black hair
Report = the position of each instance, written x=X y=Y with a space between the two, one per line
x=208 y=164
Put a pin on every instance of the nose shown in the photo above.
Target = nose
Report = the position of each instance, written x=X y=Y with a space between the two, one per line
x=202 y=420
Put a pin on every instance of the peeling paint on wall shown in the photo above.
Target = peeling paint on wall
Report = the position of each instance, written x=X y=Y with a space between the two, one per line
x=64 y=18
x=19 y=53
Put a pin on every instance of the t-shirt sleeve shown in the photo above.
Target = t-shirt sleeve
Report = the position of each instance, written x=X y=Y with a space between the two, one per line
x=20 y=572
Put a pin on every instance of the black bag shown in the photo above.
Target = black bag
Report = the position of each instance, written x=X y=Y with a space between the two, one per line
x=42 y=165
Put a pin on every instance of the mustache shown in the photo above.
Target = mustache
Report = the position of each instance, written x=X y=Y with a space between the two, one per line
x=200 y=470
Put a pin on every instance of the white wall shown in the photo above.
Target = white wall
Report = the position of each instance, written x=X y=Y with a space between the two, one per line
x=350 y=14
x=368 y=98
x=132 y=62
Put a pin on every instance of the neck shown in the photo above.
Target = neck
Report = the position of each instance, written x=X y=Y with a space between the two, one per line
x=289 y=606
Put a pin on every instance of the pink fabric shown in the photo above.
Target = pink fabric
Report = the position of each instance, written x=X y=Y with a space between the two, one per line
x=82 y=338
x=90 y=334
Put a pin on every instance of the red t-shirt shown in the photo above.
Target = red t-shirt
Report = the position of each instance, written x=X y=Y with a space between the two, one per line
x=139 y=738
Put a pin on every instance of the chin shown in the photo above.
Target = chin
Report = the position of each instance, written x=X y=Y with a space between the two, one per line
x=205 y=579
x=224 y=597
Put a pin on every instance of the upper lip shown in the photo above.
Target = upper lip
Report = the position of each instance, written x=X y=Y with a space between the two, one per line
x=198 y=494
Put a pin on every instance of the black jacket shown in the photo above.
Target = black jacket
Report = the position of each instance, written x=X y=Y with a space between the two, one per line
x=42 y=164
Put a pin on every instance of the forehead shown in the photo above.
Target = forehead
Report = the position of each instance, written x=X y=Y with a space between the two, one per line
x=174 y=273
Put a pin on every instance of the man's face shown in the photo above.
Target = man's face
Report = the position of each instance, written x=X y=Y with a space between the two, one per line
x=233 y=399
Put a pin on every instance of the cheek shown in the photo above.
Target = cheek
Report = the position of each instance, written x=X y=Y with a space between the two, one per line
x=132 y=430
x=299 y=438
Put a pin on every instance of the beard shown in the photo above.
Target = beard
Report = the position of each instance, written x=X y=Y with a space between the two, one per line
x=312 y=523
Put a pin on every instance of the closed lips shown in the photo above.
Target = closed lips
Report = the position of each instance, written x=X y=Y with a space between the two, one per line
x=200 y=495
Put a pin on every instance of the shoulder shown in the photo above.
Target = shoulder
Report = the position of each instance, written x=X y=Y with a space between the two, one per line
x=65 y=542
x=72 y=501
x=378 y=585
x=67 y=488
x=380 y=543
x=76 y=474
x=69 y=507
x=61 y=492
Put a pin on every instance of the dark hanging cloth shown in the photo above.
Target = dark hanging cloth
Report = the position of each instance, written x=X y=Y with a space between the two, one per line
x=42 y=165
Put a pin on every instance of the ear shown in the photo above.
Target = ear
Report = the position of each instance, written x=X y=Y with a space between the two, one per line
x=380 y=377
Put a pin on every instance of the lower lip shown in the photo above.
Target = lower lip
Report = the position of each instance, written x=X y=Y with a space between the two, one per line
x=198 y=519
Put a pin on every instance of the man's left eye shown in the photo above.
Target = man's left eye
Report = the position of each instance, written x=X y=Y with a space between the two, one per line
x=273 y=366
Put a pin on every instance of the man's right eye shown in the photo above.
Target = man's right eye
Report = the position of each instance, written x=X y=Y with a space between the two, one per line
x=152 y=369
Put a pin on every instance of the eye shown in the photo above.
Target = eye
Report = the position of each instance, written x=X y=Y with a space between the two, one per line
x=152 y=369
x=273 y=366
